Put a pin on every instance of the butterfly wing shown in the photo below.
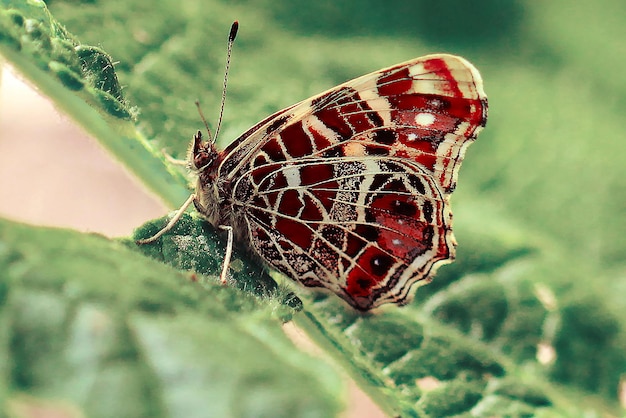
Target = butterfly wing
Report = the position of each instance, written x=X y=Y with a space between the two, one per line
x=349 y=190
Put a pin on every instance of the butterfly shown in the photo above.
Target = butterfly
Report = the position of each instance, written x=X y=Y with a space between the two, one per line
x=349 y=190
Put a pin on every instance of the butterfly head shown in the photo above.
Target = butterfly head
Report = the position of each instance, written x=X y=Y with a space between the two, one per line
x=202 y=154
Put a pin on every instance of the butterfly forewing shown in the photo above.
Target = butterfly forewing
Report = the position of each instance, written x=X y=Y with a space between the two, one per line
x=349 y=190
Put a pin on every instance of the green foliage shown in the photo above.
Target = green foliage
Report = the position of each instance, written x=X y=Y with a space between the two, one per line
x=91 y=326
x=112 y=333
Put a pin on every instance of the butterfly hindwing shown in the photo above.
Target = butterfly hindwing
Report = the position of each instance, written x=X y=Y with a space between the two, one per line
x=358 y=227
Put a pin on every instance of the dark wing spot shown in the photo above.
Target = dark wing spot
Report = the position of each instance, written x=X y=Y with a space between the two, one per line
x=381 y=264
x=401 y=207
x=427 y=210
x=364 y=283
x=367 y=232
x=375 y=118
x=276 y=124
x=384 y=136
x=376 y=150
x=333 y=152
x=380 y=180
x=417 y=184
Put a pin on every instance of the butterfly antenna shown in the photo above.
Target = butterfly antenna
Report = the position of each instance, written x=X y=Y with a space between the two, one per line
x=206 y=125
x=231 y=40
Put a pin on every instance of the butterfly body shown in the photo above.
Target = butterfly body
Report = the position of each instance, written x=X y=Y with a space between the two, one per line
x=349 y=190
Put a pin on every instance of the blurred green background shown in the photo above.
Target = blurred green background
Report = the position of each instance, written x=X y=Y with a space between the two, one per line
x=548 y=171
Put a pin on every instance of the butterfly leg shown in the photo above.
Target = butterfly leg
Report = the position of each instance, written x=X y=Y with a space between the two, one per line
x=172 y=160
x=170 y=224
x=229 y=252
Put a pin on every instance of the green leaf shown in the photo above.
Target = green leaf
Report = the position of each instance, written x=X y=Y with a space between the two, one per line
x=97 y=327
x=82 y=81
x=187 y=247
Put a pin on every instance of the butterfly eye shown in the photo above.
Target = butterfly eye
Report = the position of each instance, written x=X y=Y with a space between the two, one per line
x=204 y=157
